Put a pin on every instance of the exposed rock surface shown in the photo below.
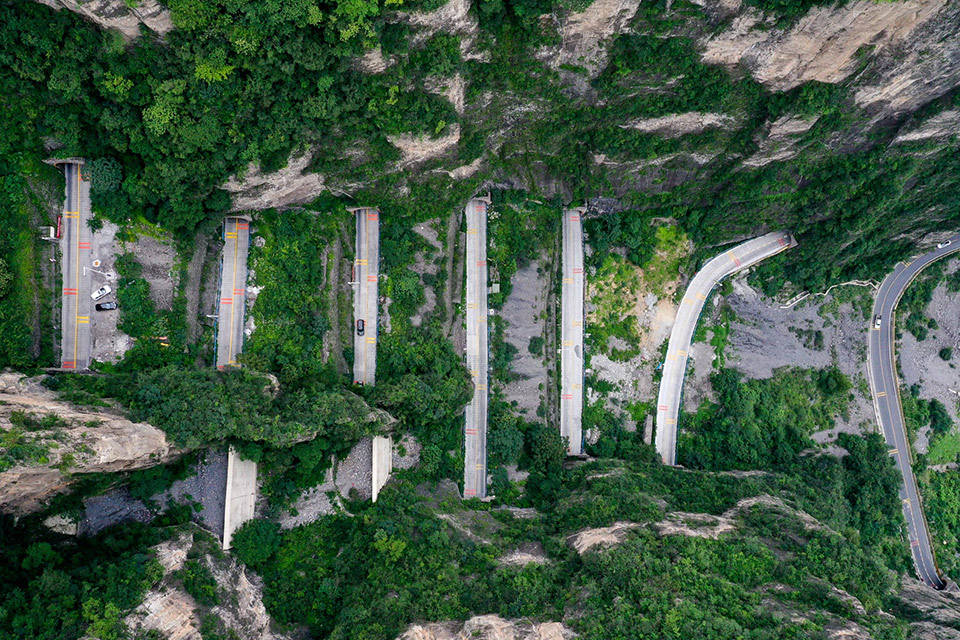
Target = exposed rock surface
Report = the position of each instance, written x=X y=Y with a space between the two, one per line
x=585 y=33
x=170 y=610
x=489 y=627
x=822 y=45
x=289 y=185
x=942 y=125
x=454 y=17
x=940 y=610
x=780 y=140
x=699 y=525
x=680 y=124
x=526 y=553
x=586 y=540
x=419 y=148
x=117 y=14
x=83 y=441
x=912 y=46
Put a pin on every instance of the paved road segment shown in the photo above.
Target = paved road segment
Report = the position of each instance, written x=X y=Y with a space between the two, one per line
x=241 y=488
x=366 y=272
x=571 y=333
x=886 y=401
x=76 y=250
x=675 y=365
x=233 y=286
x=475 y=423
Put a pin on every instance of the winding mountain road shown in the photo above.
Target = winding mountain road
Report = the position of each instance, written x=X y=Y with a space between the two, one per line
x=885 y=390
x=475 y=415
x=571 y=333
x=366 y=270
x=75 y=249
x=671 y=384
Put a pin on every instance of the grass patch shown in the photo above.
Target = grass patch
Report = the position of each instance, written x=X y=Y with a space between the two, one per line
x=944 y=449
x=614 y=292
x=672 y=246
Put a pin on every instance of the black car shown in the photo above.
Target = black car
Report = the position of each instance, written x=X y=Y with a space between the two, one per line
x=360 y=327
x=106 y=306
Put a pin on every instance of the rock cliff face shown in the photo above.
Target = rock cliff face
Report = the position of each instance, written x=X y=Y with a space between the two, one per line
x=910 y=50
x=64 y=441
x=290 y=185
x=168 y=609
x=490 y=627
x=117 y=14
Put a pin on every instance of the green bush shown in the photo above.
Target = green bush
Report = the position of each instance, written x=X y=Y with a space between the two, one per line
x=256 y=542
x=536 y=346
x=198 y=581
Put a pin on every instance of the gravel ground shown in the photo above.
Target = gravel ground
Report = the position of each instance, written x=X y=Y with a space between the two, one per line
x=108 y=344
x=207 y=486
x=312 y=504
x=353 y=472
x=157 y=256
x=761 y=341
x=697 y=387
x=426 y=265
x=920 y=362
x=523 y=313
x=406 y=453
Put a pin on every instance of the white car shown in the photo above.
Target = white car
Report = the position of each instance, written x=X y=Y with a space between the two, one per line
x=101 y=292
x=945 y=243
x=876 y=322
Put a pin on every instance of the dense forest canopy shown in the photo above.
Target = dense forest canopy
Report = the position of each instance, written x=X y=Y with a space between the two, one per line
x=241 y=86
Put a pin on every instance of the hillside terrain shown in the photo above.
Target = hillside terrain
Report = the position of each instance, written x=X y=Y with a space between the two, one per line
x=681 y=127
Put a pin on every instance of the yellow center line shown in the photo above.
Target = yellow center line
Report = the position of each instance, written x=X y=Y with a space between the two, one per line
x=233 y=286
x=364 y=262
x=76 y=314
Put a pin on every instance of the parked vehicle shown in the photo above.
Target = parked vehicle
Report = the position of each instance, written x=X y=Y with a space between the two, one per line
x=106 y=306
x=360 y=327
x=876 y=322
x=945 y=243
x=101 y=292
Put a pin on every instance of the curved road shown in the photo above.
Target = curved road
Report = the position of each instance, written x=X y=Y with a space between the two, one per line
x=675 y=366
x=886 y=401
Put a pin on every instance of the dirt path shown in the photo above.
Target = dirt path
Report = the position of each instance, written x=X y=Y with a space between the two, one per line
x=552 y=335
x=192 y=288
x=332 y=345
x=454 y=288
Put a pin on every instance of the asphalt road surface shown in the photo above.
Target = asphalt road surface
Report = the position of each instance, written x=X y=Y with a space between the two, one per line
x=475 y=423
x=675 y=365
x=886 y=402
x=365 y=274
x=571 y=333
x=233 y=286
x=76 y=250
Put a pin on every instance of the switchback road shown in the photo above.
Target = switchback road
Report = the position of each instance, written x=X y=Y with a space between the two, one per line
x=571 y=333
x=886 y=401
x=366 y=271
x=233 y=287
x=75 y=249
x=475 y=421
x=241 y=487
x=675 y=365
